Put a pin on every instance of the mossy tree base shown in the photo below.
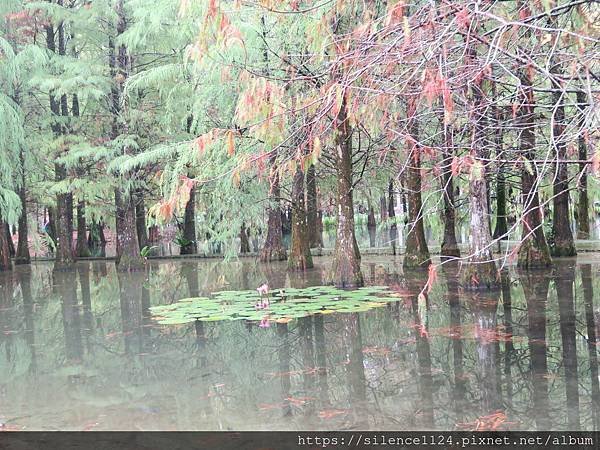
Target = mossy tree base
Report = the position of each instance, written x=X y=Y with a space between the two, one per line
x=419 y=260
x=534 y=256
x=480 y=276
x=563 y=249
x=269 y=254
x=449 y=251
x=346 y=274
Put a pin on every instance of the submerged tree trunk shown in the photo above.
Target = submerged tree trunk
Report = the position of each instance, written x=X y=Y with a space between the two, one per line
x=417 y=253
x=533 y=250
x=346 y=258
x=563 y=243
x=449 y=247
x=312 y=209
x=22 y=256
x=189 y=226
x=82 y=249
x=300 y=257
x=4 y=250
x=273 y=248
x=583 y=214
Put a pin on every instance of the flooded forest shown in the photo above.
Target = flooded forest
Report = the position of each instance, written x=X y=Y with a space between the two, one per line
x=232 y=215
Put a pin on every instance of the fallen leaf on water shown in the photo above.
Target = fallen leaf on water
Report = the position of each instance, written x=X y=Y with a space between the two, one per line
x=330 y=413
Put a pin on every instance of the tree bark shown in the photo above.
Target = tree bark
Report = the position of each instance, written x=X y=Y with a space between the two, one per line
x=480 y=271
x=82 y=249
x=128 y=253
x=244 y=242
x=273 y=248
x=417 y=252
x=300 y=257
x=391 y=215
x=371 y=226
x=583 y=207
x=345 y=270
x=563 y=243
x=140 y=221
x=4 y=250
x=312 y=209
x=22 y=256
x=189 y=226
x=449 y=247
x=501 y=229
x=533 y=250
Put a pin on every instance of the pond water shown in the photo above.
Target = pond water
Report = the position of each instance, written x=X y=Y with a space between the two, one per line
x=80 y=350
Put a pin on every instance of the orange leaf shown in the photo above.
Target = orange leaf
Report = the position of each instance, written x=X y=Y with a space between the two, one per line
x=230 y=143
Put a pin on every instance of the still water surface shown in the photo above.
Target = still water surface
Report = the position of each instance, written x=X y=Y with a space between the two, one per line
x=80 y=351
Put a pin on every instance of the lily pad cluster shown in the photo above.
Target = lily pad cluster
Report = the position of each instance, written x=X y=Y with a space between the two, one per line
x=283 y=304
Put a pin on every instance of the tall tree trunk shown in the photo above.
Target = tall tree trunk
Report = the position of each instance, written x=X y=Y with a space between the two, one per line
x=417 y=252
x=11 y=245
x=371 y=226
x=273 y=248
x=140 y=221
x=563 y=243
x=533 y=250
x=480 y=271
x=244 y=242
x=22 y=256
x=312 y=209
x=501 y=229
x=449 y=247
x=4 y=250
x=128 y=250
x=128 y=253
x=346 y=258
x=64 y=230
x=189 y=225
x=583 y=207
x=300 y=257
x=391 y=215
x=82 y=249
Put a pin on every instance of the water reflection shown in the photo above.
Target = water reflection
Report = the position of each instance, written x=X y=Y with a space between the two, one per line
x=79 y=350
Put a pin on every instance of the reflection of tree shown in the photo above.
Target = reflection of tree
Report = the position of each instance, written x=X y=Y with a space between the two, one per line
x=321 y=360
x=130 y=296
x=509 y=349
x=66 y=288
x=588 y=298
x=535 y=287
x=308 y=359
x=24 y=277
x=83 y=269
x=457 y=344
x=488 y=352
x=355 y=371
x=424 y=362
x=566 y=307
x=283 y=353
